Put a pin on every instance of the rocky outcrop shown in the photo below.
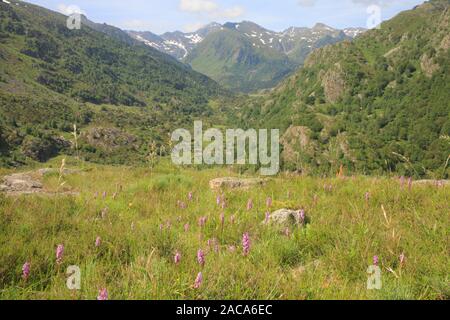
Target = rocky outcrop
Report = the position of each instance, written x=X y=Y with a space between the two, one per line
x=20 y=182
x=445 y=43
x=42 y=149
x=333 y=83
x=296 y=140
x=235 y=183
x=29 y=183
x=109 y=138
x=428 y=66
x=392 y=52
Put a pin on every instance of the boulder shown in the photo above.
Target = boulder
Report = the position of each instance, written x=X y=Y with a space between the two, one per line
x=28 y=183
x=236 y=183
x=20 y=182
x=285 y=217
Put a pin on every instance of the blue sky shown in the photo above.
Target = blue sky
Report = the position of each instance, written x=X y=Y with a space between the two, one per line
x=188 y=15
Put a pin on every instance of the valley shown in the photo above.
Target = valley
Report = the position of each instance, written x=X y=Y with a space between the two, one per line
x=244 y=56
x=91 y=119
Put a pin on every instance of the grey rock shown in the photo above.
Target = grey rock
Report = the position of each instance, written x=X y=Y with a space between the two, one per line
x=109 y=138
x=20 y=182
x=28 y=183
x=285 y=217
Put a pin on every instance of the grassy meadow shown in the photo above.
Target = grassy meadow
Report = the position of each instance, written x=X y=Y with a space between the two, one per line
x=144 y=217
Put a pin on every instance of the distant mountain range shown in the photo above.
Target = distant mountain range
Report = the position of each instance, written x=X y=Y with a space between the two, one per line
x=245 y=56
x=177 y=44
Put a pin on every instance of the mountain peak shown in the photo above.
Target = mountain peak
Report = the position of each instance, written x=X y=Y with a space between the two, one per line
x=322 y=26
x=211 y=25
x=244 y=26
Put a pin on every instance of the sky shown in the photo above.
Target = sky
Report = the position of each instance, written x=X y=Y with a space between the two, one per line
x=160 y=16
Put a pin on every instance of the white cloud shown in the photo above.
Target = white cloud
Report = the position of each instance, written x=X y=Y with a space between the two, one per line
x=307 y=3
x=192 y=27
x=210 y=9
x=382 y=3
x=69 y=9
x=198 y=5
x=233 y=12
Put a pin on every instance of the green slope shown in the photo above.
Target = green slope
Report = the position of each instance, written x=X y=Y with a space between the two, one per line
x=231 y=59
x=52 y=77
x=378 y=104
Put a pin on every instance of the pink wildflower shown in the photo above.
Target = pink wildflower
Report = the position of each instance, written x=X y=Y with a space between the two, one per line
x=246 y=243
x=287 y=232
x=202 y=221
x=269 y=202
x=59 y=253
x=98 y=242
x=186 y=227
x=402 y=259
x=198 y=280
x=26 y=270
x=177 y=258
x=375 y=260
x=267 y=218
x=201 y=257
x=301 y=216
x=219 y=200
x=250 y=204
x=103 y=295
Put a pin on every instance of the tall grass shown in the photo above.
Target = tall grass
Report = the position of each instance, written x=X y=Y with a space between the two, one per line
x=143 y=228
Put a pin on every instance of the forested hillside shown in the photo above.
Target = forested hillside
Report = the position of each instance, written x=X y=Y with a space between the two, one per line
x=378 y=104
x=52 y=77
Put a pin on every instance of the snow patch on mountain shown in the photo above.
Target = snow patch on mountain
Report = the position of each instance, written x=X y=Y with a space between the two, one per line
x=180 y=45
